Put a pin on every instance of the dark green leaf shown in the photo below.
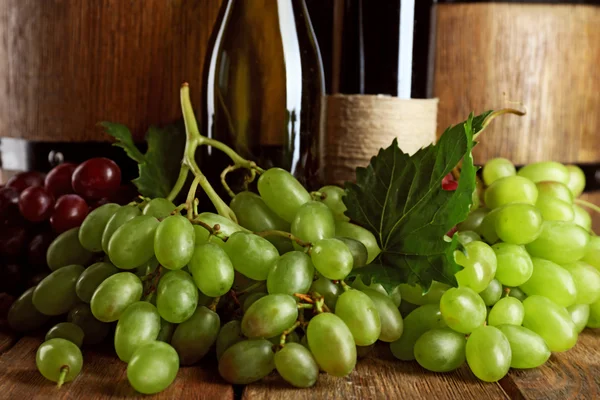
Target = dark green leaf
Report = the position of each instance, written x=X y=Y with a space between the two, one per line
x=124 y=140
x=400 y=199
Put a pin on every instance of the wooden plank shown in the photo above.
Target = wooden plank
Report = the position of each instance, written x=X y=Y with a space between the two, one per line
x=7 y=339
x=569 y=375
x=381 y=376
x=103 y=375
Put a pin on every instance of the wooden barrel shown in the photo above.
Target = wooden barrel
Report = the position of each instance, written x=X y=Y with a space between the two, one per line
x=67 y=64
x=543 y=56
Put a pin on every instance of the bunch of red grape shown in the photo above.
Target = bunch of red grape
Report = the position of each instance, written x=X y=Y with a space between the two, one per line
x=35 y=208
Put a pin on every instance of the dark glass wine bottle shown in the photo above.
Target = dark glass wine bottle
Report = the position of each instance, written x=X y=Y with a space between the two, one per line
x=264 y=88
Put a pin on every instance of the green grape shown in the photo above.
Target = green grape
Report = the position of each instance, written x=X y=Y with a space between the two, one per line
x=582 y=218
x=114 y=295
x=333 y=199
x=138 y=325
x=554 y=190
x=292 y=273
x=230 y=334
x=269 y=316
x=332 y=258
x=193 y=338
x=587 y=282
x=487 y=229
x=552 y=281
x=358 y=250
x=353 y=231
x=174 y=242
x=551 y=321
x=406 y=308
x=580 y=314
x=176 y=296
x=516 y=293
x=545 y=171
x=159 y=208
x=463 y=309
x=92 y=227
x=492 y=293
x=395 y=296
x=59 y=360
x=282 y=192
x=313 y=221
x=440 y=350
x=512 y=189
x=226 y=226
x=251 y=299
x=466 y=237
x=473 y=221
x=166 y=331
x=559 y=241
x=251 y=255
x=132 y=244
x=153 y=367
x=121 y=216
x=203 y=236
x=68 y=331
x=594 y=317
x=576 y=182
x=296 y=365
x=149 y=267
x=211 y=269
x=23 y=316
x=359 y=313
x=514 y=265
x=331 y=343
x=329 y=290
x=91 y=278
x=553 y=209
x=592 y=252
x=488 y=353
x=518 y=223
x=66 y=250
x=247 y=361
x=497 y=168
x=55 y=294
x=507 y=311
x=389 y=315
x=479 y=262
x=254 y=214
x=416 y=323
x=94 y=331
x=528 y=349
x=416 y=295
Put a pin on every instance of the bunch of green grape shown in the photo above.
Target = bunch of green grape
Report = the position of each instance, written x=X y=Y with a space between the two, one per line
x=267 y=293
x=530 y=281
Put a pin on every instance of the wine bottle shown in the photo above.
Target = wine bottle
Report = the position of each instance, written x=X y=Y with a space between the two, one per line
x=264 y=88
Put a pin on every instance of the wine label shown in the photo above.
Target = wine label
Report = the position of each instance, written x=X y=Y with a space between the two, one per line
x=358 y=126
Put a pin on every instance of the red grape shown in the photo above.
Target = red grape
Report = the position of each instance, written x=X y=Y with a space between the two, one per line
x=11 y=279
x=13 y=239
x=23 y=180
x=36 y=204
x=126 y=194
x=69 y=212
x=96 y=178
x=58 y=180
x=449 y=183
x=37 y=248
x=9 y=198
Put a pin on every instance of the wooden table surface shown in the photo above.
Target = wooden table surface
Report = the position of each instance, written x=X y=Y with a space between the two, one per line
x=571 y=375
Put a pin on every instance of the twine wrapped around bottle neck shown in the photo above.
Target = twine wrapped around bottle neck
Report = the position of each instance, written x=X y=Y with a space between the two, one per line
x=359 y=125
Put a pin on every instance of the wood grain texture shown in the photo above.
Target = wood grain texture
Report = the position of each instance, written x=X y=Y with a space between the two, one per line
x=544 y=56
x=103 y=376
x=67 y=64
x=381 y=376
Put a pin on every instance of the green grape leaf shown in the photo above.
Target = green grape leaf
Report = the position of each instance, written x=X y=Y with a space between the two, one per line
x=159 y=167
x=400 y=199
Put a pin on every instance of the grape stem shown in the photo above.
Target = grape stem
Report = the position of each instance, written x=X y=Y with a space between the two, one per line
x=344 y=286
x=304 y=297
x=213 y=305
x=227 y=170
x=287 y=332
x=288 y=235
x=303 y=305
x=212 y=230
x=64 y=371
x=320 y=305
x=318 y=195
x=587 y=204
